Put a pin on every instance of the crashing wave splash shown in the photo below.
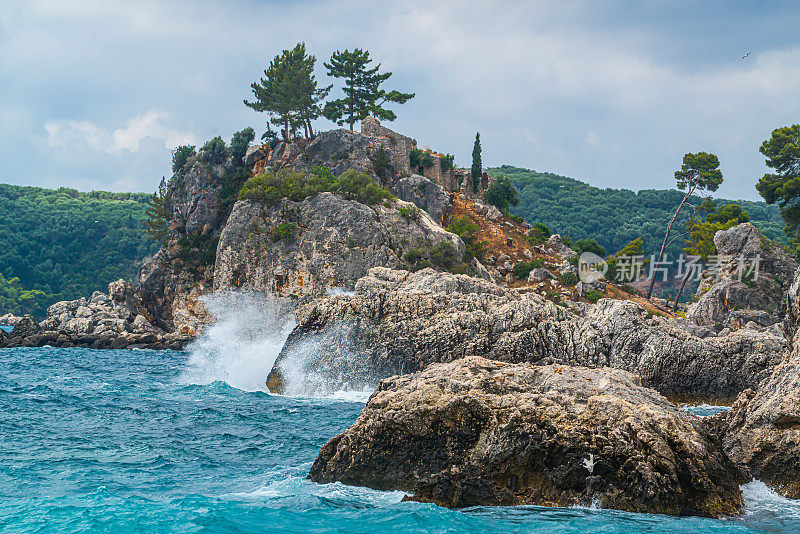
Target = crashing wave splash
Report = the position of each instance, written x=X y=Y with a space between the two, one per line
x=242 y=344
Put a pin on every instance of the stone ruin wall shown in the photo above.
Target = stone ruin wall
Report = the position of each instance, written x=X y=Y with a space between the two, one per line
x=399 y=146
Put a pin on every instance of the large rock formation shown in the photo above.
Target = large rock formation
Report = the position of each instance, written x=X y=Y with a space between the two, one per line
x=762 y=430
x=732 y=295
x=328 y=242
x=424 y=194
x=399 y=322
x=478 y=432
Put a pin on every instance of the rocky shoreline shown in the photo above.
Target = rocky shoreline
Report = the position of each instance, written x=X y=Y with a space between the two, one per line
x=105 y=321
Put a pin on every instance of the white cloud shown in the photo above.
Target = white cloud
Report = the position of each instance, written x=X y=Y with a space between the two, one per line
x=72 y=134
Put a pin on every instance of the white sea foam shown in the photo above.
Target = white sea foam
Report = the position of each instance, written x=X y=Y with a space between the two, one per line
x=243 y=343
x=294 y=486
x=760 y=500
x=336 y=291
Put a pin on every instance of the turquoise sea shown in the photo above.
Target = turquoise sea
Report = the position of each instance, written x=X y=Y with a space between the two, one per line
x=124 y=441
x=6 y=328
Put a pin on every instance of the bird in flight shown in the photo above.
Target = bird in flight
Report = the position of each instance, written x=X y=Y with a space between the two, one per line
x=745 y=56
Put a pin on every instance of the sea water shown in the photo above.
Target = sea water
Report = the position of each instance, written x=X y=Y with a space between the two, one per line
x=148 y=441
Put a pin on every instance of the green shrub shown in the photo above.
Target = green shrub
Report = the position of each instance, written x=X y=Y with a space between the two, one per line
x=588 y=245
x=214 y=151
x=381 y=162
x=421 y=158
x=568 y=279
x=523 y=269
x=538 y=234
x=358 y=186
x=468 y=232
x=593 y=296
x=442 y=256
x=410 y=212
x=239 y=143
x=270 y=186
x=284 y=230
x=180 y=155
x=517 y=219
x=502 y=194
x=447 y=162
x=629 y=289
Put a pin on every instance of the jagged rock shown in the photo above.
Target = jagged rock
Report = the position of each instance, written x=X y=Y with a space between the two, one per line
x=477 y=432
x=555 y=245
x=399 y=146
x=762 y=430
x=9 y=319
x=194 y=198
x=741 y=249
x=339 y=150
x=540 y=274
x=27 y=326
x=399 y=322
x=333 y=243
x=424 y=194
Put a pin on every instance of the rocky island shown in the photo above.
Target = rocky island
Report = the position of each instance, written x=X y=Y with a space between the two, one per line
x=499 y=376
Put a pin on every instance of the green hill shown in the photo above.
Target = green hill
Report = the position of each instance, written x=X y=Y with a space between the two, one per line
x=62 y=244
x=614 y=217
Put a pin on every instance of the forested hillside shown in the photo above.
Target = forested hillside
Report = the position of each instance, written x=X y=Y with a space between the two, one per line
x=62 y=244
x=614 y=217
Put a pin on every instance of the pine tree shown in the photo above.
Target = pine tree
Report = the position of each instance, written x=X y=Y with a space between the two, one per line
x=699 y=172
x=289 y=93
x=158 y=215
x=363 y=95
x=477 y=165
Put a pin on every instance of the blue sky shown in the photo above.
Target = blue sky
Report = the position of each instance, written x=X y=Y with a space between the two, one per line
x=95 y=94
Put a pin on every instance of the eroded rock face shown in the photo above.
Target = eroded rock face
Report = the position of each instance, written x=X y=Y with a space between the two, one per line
x=424 y=194
x=341 y=150
x=556 y=246
x=27 y=326
x=399 y=322
x=330 y=243
x=479 y=432
x=761 y=432
x=194 y=199
x=736 y=289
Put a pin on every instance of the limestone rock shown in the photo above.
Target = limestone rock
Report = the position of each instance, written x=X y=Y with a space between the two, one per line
x=540 y=274
x=555 y=245
x=424 y=194
x=27 y=326
x=478 y=432
x=401 y=323
x=9 y=319
x=334 y=242
x=742 y=251
x=762 y=430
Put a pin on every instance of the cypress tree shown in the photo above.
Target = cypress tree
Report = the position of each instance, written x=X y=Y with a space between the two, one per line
x=477 y=165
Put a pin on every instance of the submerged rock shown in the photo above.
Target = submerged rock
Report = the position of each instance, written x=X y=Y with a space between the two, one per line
x=399 y=322
x=479 y=432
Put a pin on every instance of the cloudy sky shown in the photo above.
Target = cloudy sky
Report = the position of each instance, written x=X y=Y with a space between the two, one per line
x=95 y=94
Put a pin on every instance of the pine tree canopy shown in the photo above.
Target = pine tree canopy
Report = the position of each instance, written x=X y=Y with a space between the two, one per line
x=363 y=95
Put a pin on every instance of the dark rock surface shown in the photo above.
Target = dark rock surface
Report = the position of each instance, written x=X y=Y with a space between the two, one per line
x=479 y=432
